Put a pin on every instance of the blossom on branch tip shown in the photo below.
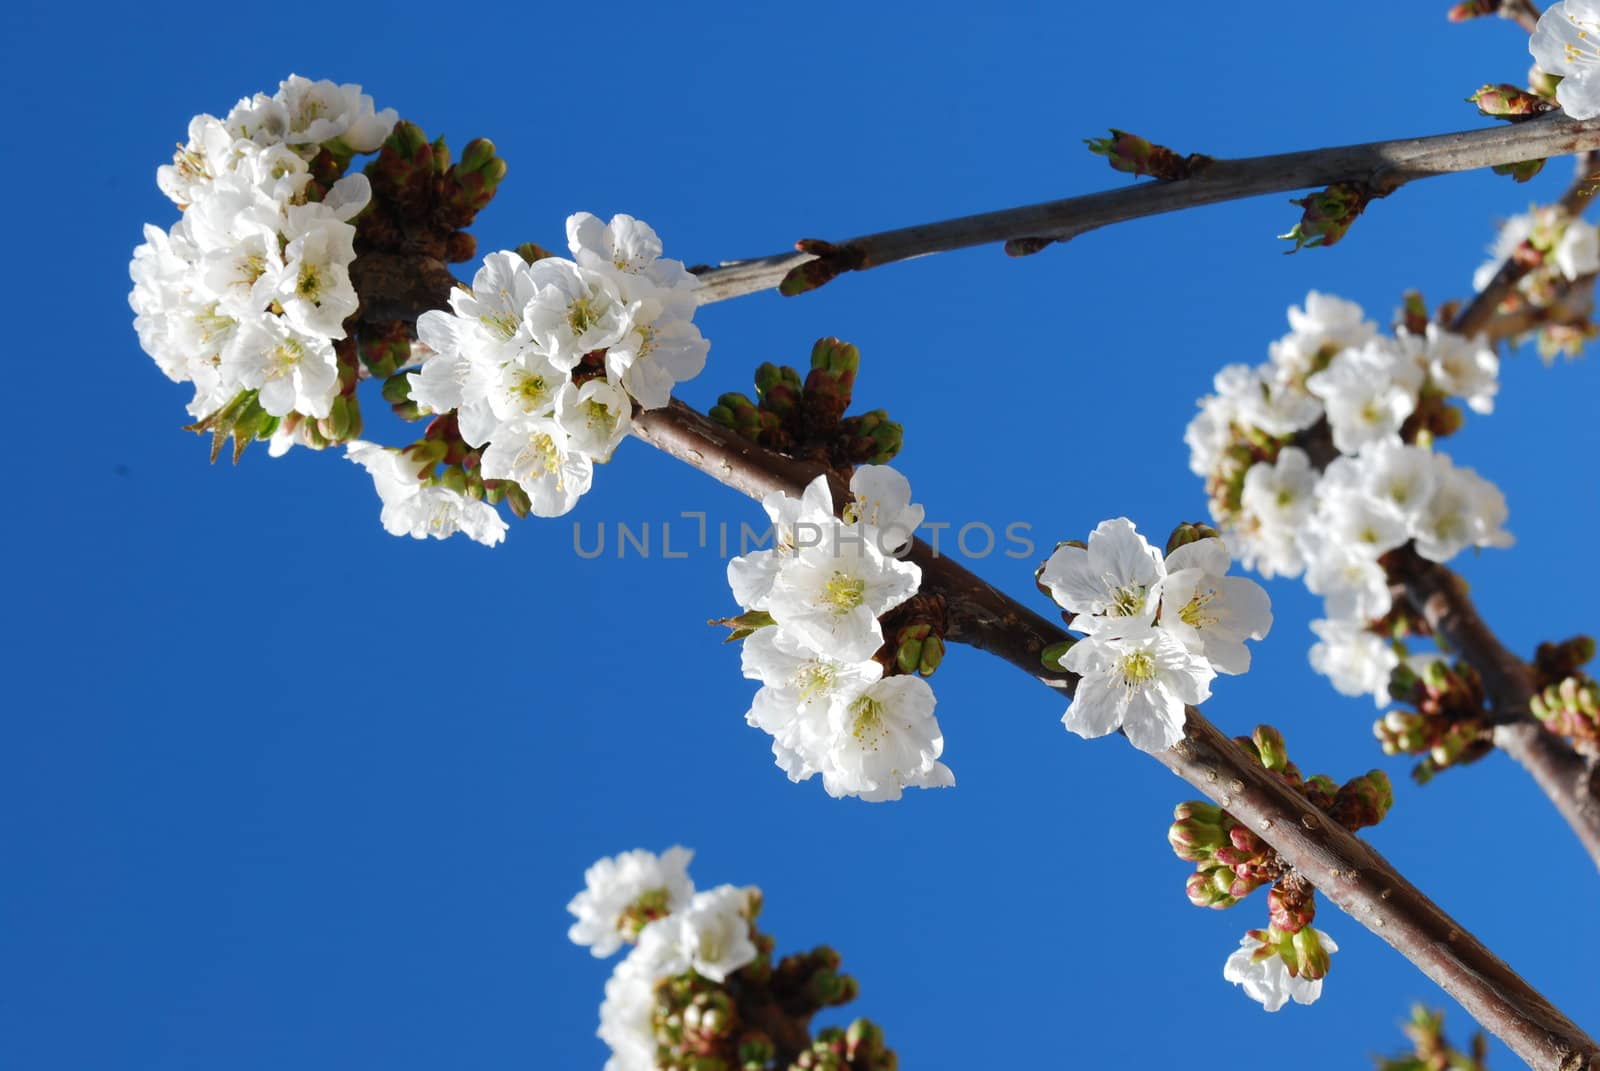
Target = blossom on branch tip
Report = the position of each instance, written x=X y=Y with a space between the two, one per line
x=1274 y=968
x=624 y=893
x=250 y=288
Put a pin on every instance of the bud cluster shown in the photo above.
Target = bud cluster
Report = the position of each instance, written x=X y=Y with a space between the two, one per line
x=804 y=418
x=1567 y=699
x=1449 y=723
x=422 y=201
x=1283 y=961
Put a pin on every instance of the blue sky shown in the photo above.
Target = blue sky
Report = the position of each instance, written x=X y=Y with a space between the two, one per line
x=279 y=790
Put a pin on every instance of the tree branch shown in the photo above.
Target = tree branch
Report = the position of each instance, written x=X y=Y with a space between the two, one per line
x=1565 y=776
x=1382 y=166
x=1343 y=867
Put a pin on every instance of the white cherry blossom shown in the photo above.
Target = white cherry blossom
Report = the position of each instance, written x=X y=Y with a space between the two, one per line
x=409 y=508
x=1138 y=682
x=885 y=740
x=1212 y=613
x=1566 y=42
x=539 y=455
x=659 y=883
x=831 y=594
x=1354 y=660
x=1110 y=584
x=1266 y=978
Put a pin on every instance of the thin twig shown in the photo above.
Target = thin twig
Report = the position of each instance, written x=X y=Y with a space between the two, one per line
x=1382 y=166
x=1523 y=12
x=1343 y=867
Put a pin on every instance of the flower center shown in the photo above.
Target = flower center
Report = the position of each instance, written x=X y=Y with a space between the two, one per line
x=814 y=678
x=284 y=358
x=309 y=283
x=1126 y=602
x=1137 y=669
x=532 y=390
x=648 y=906
x=844 y=592
x=1194 y=612
x=212 y=323
x=503 y=324
x=541 y=457
x=582 y=315
x=598 y=415
x=866 y=723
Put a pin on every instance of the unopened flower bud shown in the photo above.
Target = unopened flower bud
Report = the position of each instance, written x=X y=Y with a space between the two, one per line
x=1327 y=215
x=1505 y=101
x=1270 y=748
x=1363 y=801
x=1311 y=958
x=1189 y=532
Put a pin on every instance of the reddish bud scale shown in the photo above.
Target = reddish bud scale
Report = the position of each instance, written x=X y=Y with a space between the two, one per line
x=1292 y=905
x=1505 y=101
x=1473 y=9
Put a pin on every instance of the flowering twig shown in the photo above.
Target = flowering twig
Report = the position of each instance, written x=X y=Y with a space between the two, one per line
x=1342 y=866
x=1383 y=166
x=1479 y=313
x=1571 y=781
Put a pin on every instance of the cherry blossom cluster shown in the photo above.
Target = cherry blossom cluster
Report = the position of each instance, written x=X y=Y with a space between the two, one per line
x=1383 y=401
x=815 y=598
x=1157 y=630
x=542 y=363
x=1556 y=250
x=250 y=289
x=649 y=902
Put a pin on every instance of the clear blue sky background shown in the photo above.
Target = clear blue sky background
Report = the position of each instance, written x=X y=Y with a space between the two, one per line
x=278 y=790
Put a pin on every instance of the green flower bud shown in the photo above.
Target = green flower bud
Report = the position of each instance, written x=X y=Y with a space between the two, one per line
x=1189 y=532
x=1311 y=959
x=1270 y=748
x=1328 y=215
